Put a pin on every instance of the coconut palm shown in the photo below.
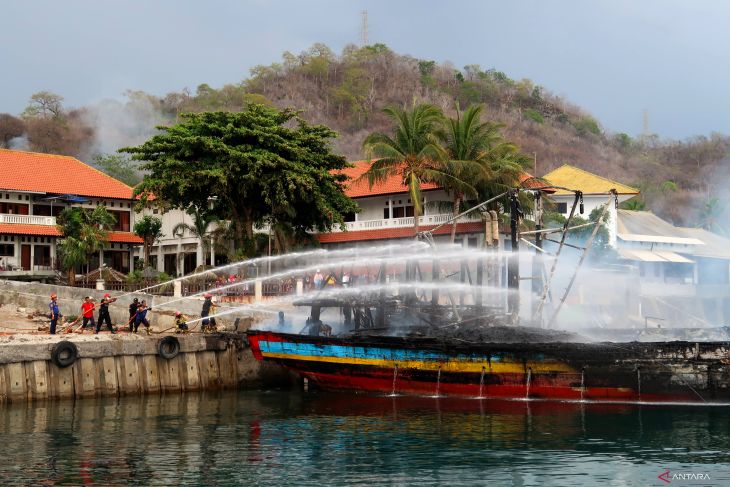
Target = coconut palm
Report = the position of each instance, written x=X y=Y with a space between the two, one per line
x=202 y=221
x=85 y=233
x=468 y=145
x=412 y=153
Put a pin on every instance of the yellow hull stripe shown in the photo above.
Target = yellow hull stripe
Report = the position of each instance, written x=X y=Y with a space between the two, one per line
x=449 y=366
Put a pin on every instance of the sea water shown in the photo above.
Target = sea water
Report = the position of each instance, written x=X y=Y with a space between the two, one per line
x=315 y=438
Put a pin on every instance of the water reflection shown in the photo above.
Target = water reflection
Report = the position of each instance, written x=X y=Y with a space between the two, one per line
x=289 y=438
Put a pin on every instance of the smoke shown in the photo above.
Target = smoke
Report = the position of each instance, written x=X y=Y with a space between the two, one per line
x=122 y=124
x=19 y=143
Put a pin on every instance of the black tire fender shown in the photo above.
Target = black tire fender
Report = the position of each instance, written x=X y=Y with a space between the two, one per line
x=64 y=353
x=169 y=347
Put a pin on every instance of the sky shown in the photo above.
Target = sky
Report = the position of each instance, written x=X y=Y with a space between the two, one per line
x=613 y=58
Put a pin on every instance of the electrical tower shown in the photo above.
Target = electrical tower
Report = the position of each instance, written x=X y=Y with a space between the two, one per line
x=364 y=28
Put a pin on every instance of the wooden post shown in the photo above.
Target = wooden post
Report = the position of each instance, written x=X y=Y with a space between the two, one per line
x=513 y=263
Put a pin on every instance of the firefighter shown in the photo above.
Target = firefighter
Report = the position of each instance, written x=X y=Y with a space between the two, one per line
x=87 y=314
x=141 y=317
x=181 y=323
x=55 y=314
x=104 y=315
x=208 y=324
x=133 y=313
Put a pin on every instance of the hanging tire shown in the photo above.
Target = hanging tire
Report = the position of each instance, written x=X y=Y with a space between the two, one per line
x=64 y=353
x=169 y=347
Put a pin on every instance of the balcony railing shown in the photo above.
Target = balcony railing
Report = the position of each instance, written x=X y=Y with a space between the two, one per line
x=28 y=219
x=403 y=222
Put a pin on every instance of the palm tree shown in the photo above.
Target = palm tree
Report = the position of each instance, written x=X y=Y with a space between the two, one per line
x=413 y=153
x=85 y=233
x=202 y=220
x=468 y=145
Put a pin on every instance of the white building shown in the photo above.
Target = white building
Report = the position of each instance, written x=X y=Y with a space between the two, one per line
x=595 y=194
x=387 y=213
x=34 y=189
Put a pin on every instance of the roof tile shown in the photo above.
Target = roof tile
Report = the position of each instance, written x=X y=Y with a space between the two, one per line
x=49 y=173
x=580 y=179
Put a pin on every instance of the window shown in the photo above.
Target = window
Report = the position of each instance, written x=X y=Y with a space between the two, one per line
x=47 y=210
x=562 y=208
x=349 y=217
x=398 y=212
x=7 y=250
x=42 y=255
x=122 y=218
x=14 y=208
x=409 y=210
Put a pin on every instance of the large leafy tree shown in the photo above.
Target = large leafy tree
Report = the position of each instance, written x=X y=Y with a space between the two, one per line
x=149 y=229
x=256 y=165
x=412 y=153
x=85 y=232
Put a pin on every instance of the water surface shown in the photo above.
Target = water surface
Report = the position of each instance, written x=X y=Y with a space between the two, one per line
x=293 y=438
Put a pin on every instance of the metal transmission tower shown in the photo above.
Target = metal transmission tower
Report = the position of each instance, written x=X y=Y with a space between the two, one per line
x=364 y=28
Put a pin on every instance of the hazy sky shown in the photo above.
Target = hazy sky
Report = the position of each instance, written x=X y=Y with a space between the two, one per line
x=614 y=58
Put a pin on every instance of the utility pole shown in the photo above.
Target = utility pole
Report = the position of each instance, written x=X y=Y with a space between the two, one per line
x=364 y=28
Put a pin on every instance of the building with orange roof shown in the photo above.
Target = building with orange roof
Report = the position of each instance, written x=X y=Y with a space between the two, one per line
x=387 y=212
x=34 y=189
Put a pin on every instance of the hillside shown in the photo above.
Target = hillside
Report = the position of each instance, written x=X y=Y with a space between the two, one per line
x=683 y=181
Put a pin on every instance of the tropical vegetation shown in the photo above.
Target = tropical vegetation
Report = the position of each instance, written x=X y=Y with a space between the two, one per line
x=85 y=232
x=250 y=167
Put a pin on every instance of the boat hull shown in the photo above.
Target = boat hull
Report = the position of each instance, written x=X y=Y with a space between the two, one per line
x=605 y=372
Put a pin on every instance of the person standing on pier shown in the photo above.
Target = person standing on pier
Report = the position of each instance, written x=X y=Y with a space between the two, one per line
x=141 y=317
x=181 y=323
x=87 y=313
x=208 y=324
x=104 y=315
x=133 y=313
x=55 y=314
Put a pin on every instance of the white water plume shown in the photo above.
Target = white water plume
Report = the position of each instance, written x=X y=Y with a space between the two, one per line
x=294 y=255
x=364 y=262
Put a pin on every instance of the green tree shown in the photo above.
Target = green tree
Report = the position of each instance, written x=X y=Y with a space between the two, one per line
x=85 y=232
x=468 y=143
x=256 y=165
x=202 y=221
x=44 y=104
x=149 y=229
x=412 y=154
x=119 y=167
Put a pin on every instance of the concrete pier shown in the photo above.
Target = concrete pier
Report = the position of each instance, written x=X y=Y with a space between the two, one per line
x=110 y=365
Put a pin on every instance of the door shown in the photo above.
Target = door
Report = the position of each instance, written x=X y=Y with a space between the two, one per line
x=25 y=257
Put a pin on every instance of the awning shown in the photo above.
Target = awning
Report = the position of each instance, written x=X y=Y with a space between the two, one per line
x=653 y=256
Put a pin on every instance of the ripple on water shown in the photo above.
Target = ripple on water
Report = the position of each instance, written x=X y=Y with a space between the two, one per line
x=257 y=438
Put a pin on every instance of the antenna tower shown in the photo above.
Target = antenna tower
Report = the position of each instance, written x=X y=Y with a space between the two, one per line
x=364 y=28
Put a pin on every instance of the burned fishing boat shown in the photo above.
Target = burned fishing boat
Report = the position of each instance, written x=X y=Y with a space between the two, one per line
x=425 y=336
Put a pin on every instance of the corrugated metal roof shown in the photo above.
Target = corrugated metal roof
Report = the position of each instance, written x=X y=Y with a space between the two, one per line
x=638 y=237
x=575 y=178
x=653 y=256
x=714 y=246
x=645 y=226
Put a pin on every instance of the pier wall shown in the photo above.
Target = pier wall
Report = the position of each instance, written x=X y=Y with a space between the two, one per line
x=109 y=367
